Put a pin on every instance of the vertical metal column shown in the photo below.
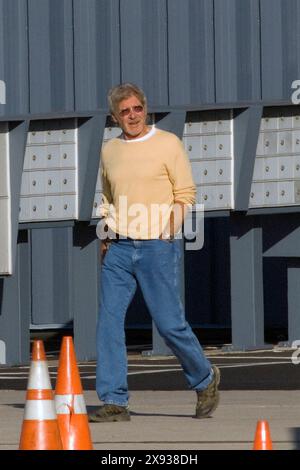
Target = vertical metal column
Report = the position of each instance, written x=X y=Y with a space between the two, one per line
x=86 y=268
x=293 y=304
x=15 y=294
x=247 y=300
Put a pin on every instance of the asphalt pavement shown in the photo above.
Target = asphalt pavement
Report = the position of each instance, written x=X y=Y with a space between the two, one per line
x=254 y=370
x=254 y=386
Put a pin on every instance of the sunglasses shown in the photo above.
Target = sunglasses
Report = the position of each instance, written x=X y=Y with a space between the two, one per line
x=138 y=109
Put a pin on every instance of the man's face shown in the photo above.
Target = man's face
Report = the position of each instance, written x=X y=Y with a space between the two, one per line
x=131 y=117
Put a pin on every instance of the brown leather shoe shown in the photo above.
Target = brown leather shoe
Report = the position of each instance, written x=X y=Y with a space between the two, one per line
x=208 y=399
x=109 y=413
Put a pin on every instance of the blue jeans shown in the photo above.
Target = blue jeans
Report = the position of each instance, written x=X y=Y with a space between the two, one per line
x=155 y=265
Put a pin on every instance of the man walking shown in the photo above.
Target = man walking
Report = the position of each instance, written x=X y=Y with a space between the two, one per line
x=147 y=187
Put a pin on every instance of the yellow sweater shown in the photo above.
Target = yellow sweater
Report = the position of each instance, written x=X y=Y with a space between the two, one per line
x=141 y=180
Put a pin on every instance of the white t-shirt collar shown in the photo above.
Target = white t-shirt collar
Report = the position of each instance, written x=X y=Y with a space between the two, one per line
x=141 y=139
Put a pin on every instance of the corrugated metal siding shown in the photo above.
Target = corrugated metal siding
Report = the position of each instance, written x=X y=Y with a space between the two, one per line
x=237 y=50
x=182 y=52
x=191 y=52
x=51 y=55
x=96 y=51
x=14 y=56
x=144 y=47
x=280 y=35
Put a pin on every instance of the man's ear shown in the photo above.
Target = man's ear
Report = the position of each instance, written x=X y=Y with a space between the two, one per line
x=114 y=119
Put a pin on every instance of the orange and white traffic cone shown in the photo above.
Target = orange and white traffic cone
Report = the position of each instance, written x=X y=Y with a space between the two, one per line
x=40 y=427
x=70 y=405
x=262 y=439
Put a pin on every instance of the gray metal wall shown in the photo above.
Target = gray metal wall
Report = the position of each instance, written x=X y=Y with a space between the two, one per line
x=14 y=58
x=58 y=58
x=63 y=55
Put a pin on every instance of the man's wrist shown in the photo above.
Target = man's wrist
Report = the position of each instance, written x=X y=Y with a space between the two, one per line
x=166 y=235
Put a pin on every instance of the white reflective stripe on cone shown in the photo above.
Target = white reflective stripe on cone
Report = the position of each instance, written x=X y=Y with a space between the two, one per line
x=39 y=376
x=39 y=410
x=65 y=404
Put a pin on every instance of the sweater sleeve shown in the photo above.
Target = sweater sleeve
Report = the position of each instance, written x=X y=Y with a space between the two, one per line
x=104 y=207
x=180 y=174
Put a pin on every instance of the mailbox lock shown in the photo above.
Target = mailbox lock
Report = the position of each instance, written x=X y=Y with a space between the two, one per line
x=33 y=133
x=252 y=195
x=298 y=141
x=220 y=146
x=267 y=143
x=64 y=155
x=49 y=132
x=205 y=197
x=95 y=204
x=33 y=183
x=34 y=208
x=205 y=172
x=221 y=196
x=297 y=167
x=282 y=167
x=50 y=208
x=64 y=132
x=190 y=148
x=49 y=156
x=205 y=147
x=66 y=206
x=267 y=168
x=268 y=193
x=190 y=124
x=33 y=157
x=220 y=171
x=49 y=182
x=65 y=181
x=282 y=193
x=282 y=142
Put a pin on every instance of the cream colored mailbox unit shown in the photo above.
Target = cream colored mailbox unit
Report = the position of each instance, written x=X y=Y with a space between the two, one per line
x=109 y=133
x=5 y=204
x=49 y=188
x=276 y=177
x=208 y=139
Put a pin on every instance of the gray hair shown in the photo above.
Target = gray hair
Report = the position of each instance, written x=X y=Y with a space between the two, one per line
x=122 y=92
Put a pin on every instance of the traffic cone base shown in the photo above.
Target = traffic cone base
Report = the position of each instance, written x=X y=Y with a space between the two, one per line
x=40 y=435
x=40 y=426
x=69 y=401
x=75 y=433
